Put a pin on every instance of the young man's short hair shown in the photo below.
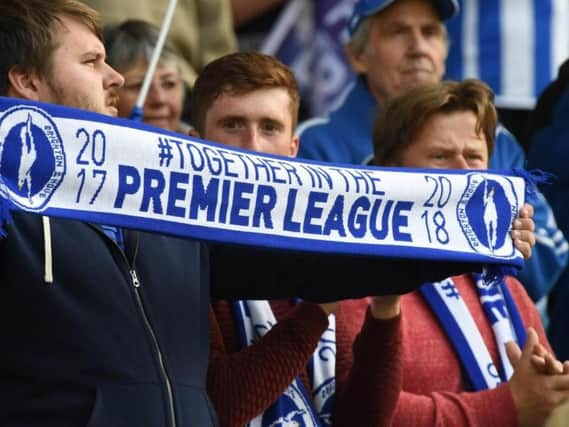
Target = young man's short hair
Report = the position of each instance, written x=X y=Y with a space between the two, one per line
x=241 y=73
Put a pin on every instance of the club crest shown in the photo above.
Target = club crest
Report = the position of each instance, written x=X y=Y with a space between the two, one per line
x=293 y=411
x=32 y=159
x=485 y=213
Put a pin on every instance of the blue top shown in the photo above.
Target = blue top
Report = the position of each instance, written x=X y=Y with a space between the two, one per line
x=344 y=136
x=349 y=126
x=549 y=151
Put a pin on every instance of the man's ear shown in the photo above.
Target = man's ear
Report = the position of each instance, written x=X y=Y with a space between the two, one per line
x=294 y=145
x=358 y=60
x=24 y=84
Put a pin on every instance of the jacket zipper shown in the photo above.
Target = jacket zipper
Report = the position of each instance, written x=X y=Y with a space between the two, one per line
x=136 y=283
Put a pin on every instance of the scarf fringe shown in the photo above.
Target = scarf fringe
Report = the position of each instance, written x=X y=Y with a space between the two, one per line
x=534 y=178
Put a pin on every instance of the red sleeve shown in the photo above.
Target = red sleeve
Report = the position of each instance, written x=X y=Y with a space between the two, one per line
x=241 y=385
x=367 y=390
x=488 y=408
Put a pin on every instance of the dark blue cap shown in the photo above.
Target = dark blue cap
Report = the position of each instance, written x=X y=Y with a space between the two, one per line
x=364 y=8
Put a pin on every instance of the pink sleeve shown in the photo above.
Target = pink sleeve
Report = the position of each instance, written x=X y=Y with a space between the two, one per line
x=486 y=408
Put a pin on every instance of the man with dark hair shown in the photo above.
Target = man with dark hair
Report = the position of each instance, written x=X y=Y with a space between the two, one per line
x=395 y=45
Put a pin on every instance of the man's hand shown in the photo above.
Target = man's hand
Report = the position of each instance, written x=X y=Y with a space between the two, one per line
x=542 y=360
x=385 y=307
x=535 y=394
x=523 y=231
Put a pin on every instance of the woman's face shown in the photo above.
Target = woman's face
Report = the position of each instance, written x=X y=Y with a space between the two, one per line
x=163 y=105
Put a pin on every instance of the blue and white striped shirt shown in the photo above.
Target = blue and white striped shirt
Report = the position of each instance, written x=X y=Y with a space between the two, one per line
x=515 y=46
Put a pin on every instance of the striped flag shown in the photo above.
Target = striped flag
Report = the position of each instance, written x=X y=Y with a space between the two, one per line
x=516 y=46
x=309 y=37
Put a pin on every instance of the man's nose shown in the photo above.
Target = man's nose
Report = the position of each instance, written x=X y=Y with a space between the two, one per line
x=112 y=78
x=418 y=42
x=460 y=162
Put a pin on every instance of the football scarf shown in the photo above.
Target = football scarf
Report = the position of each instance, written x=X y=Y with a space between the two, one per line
x=63 y=162
x=455 y=318
x=255 y=319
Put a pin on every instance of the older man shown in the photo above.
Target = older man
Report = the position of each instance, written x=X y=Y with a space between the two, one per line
x=395 y=45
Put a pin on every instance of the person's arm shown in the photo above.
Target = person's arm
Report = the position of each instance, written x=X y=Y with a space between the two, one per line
x=486 y=408
x=243 y=384
x=245 y=272
x=367 y=390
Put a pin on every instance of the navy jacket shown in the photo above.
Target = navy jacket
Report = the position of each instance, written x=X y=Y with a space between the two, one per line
x=99 y=347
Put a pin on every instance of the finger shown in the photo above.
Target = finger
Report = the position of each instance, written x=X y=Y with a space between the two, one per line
x=523 y=247
x=513 y=352
x=540 y=350
x=531 y=341
x=538 y=363
x=522 y=224
x=526 y=211
x=560 y=382
x=552 y=365
x=566 y=367
x=524 y=235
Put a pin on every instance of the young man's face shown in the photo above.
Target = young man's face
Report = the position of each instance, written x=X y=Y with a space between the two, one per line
x=79 y=75
x=407 y=46
x=447 y=141
x=163 y=105
x=260 y=120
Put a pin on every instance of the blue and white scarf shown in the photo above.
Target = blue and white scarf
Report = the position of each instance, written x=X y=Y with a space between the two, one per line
x=500 y=310
x=69 y=163
x=255 y=319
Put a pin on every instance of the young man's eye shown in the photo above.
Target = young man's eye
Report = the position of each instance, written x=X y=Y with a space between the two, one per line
x=271 y=127
x=230 y=124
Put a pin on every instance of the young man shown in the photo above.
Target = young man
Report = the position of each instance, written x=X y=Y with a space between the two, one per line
x=250 y=101
x=396 y=45
x=454 y=332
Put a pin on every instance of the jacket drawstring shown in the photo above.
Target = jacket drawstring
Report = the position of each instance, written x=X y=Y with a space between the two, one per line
x=48 y=264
